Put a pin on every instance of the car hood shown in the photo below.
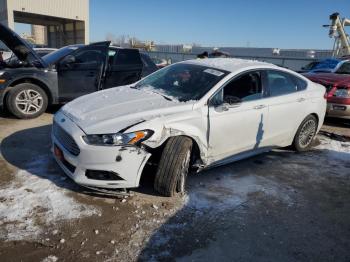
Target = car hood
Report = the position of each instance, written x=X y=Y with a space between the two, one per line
x=329 y=78
x=20 y=47
x=119 y=108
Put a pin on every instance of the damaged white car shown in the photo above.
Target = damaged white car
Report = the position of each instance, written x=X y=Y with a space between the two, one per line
x=188 y=116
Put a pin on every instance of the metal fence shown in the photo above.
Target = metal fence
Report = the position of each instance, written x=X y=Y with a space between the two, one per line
x=292 y=63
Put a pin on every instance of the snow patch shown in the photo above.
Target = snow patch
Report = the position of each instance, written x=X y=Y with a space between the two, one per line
x=335 y=149
x=231 y=191
x=36 y=198
x=50 y=259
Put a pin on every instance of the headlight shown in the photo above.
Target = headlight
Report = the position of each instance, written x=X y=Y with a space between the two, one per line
x=133 y=138
x=1 y=73
x=342 y=92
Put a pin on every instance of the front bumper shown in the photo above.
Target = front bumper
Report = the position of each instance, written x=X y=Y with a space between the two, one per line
x=127 y=162
x=338 y=110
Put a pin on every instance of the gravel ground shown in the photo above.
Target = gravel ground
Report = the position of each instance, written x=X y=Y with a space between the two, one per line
x=279 y=206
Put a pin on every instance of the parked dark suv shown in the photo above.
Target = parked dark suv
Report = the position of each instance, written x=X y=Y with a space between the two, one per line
x=29 y=86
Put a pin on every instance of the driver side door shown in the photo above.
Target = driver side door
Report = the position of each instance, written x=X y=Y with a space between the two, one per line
x=82 y=72
x=238 y=117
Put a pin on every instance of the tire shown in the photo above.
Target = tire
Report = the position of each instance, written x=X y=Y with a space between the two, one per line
x=305 y=134
x=26 y=101
x=173 y=166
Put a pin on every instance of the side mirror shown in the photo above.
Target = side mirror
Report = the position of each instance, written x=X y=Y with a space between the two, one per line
x=229 y=102
x=232 y=101
x=69 y=59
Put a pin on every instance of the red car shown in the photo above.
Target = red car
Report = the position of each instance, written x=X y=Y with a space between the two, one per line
x=338 y=90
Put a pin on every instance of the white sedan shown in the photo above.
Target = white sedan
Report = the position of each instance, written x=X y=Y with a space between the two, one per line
x=188 y=116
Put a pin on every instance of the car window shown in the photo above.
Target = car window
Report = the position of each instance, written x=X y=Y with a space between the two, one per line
x=246 y=87
x=88 y=56
x=301 y=84
x=280 y=83
x=127 y=57
x=60 y=53
x=344 y=68
x=148 y=65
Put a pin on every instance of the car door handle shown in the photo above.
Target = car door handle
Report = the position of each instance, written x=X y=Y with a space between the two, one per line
x=301 y=99
x=259 y=107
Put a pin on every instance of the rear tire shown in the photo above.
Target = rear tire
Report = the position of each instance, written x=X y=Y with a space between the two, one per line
x=26 y=101
x=173 y=166
x=305 y=134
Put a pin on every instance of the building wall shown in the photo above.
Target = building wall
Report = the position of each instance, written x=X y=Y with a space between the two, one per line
x=69 y=9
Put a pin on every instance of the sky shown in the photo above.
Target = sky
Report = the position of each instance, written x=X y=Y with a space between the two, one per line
x=236 y=23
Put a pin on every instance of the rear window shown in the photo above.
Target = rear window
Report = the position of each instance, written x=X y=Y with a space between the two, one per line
x=280 y=83
x=127 y=57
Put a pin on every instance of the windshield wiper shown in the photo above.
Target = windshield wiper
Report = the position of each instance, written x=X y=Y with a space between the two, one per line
x=167 y=98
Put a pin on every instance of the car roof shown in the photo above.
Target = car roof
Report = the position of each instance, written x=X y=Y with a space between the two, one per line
x=230 y=64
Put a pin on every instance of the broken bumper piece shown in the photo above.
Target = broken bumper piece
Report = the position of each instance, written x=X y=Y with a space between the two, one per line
x=109 y=167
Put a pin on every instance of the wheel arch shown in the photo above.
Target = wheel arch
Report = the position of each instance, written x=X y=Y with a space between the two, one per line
x=196 y=154
x=30 y=80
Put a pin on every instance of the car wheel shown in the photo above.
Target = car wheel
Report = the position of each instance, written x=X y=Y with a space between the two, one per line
x=305 y=134
x=173 y=166
x=26 y=101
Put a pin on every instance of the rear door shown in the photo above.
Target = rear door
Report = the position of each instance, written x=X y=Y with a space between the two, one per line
x=287 y=98
x=82 y=71
x=125 y=67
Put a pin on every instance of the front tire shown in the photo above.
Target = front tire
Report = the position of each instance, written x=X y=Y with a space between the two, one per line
x=26 y=101
x=173 y=166
x=305 y=134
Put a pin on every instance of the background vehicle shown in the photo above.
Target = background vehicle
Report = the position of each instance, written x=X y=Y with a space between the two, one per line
x=194 y=114
x=338 y=90
x=29 y=86
x=325 y=65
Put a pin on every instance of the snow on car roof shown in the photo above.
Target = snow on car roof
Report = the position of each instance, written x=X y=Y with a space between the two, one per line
x=230 y=64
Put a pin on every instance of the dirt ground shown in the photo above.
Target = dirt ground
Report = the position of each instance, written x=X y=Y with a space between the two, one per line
x=279 y=206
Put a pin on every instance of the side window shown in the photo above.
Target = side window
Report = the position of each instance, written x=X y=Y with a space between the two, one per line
x=88 y=56
x=280 y=83
x=344 y=68
x=244 y=88
x=301 y=84
x=127 y=57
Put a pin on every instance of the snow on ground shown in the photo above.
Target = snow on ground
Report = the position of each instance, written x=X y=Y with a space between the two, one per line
x=232 y=190
x=212 y=194
x=36 y=197
x=335 y=149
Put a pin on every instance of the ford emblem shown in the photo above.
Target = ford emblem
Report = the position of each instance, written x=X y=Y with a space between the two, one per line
x=63 y=120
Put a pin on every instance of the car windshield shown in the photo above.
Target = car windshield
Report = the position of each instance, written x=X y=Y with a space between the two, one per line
x=182 y=82
x=58 y=54
x=344 y=68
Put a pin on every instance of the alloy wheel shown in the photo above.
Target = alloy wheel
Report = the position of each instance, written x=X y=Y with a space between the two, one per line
x=307 y=133
x=29 y=101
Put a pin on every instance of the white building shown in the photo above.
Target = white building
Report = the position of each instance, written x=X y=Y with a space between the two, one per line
x=65 y=21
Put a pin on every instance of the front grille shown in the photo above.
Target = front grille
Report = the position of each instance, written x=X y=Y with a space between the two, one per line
x=65 y=139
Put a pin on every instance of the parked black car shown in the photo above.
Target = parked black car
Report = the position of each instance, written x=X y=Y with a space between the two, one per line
x=29 y=86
